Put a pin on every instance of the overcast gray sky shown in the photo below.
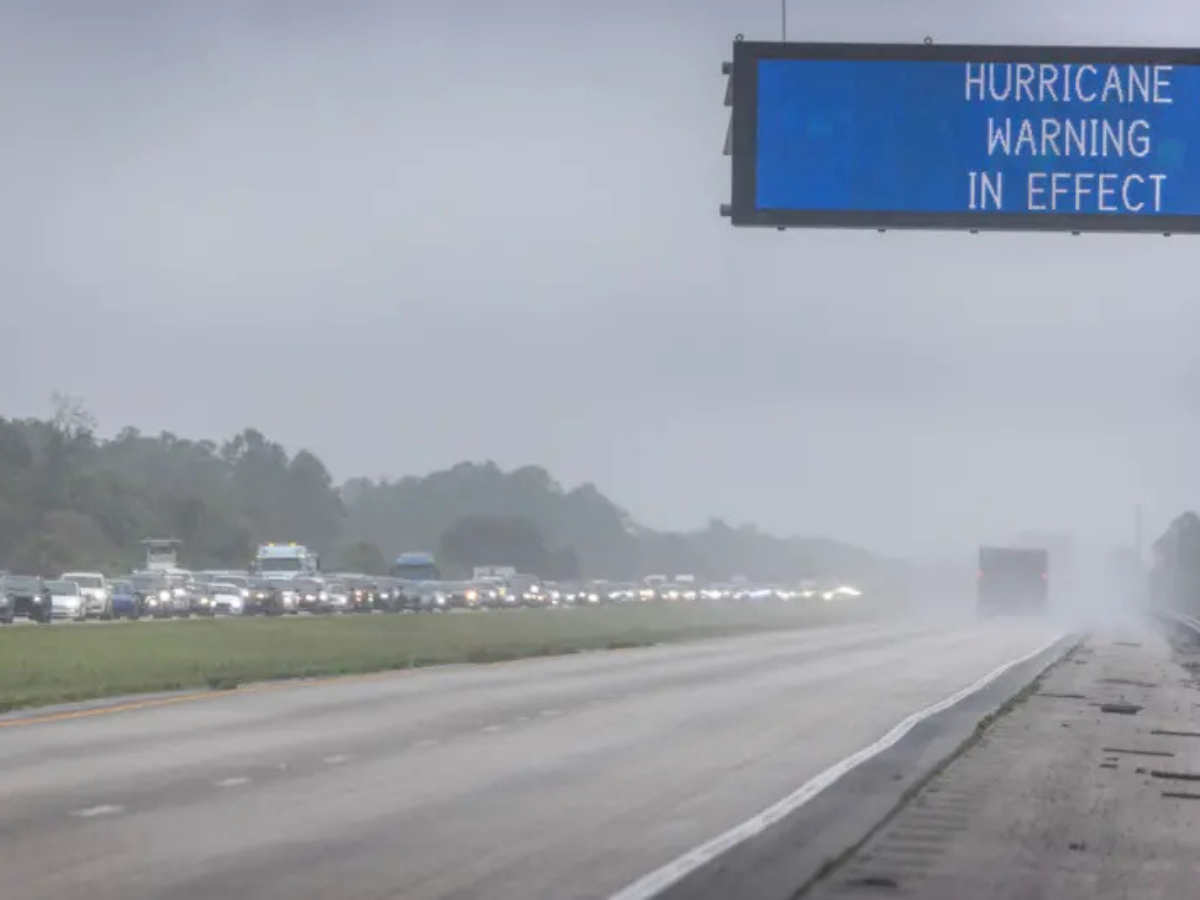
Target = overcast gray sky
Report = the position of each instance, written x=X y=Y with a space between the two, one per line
x=409 y=233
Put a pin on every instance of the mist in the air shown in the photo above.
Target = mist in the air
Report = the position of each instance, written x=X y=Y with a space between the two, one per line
x=531 y=226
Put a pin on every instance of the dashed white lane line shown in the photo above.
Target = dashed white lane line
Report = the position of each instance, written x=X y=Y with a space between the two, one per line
x=427 y=742
x=550 y=712
x=491 y=729
x=522 y=718
x=105 y=809
x=235 y=781
x=335 y=760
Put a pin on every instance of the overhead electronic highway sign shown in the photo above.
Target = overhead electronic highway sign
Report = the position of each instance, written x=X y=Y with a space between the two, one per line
x=965 y=137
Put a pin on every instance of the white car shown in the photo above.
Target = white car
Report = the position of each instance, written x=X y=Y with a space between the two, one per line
x=66 y=600
x=94 y=588
x=227 y=598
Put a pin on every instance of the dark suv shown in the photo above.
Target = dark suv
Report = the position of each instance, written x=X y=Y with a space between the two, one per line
x=310 y=595
x=387 y=594
x=26 y=596
x=265 y=597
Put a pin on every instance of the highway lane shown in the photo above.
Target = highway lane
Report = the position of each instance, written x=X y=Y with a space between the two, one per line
x=554 y=778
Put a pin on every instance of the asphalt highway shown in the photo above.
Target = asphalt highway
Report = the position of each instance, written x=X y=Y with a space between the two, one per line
x=549 y=778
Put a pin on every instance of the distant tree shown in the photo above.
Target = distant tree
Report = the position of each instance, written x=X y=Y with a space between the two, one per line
x=562 y=564
x=493 y=541
x=364 y=557
x=70 y=415
x=312 y=503
x=41 y=554
x=68 y=498
x=14 y=526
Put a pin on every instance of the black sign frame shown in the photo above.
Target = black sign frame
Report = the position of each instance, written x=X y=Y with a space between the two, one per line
x=744 y=134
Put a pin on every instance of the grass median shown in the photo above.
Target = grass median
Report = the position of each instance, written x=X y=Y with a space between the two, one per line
x=61 y=664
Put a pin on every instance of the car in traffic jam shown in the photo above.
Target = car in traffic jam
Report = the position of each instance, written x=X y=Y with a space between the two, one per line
x=27 y=598
x=176 y=593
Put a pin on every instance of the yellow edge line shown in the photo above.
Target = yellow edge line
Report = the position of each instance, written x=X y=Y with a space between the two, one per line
x=190 y=698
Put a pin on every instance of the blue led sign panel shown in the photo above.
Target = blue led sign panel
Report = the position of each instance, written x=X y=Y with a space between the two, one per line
x=914 y=136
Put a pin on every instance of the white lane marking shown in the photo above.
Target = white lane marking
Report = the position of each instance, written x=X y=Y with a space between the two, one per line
x=427 y=742
x=549 y=712
x=491 y=729
x=659 y=880
x=235 y=781
x=522 y=718
x=335 y=760
x=105 y=809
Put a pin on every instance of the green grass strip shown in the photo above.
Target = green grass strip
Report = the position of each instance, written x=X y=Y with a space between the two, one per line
x=42 y=665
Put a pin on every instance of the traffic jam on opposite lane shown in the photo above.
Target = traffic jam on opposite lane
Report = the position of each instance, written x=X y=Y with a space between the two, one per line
x=286 y=579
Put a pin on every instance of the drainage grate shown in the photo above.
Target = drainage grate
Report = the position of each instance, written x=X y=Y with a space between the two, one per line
x=1131 y=682
x=1137 y=752
x=1175 y=776
x=875 y=881
x=1123 y=709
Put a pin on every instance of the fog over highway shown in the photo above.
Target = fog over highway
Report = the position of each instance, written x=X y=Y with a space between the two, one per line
x=406 y=292
x=227 y=176
x=561 y=778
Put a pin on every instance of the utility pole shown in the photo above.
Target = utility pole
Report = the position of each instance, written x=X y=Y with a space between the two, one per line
x=1137 y=531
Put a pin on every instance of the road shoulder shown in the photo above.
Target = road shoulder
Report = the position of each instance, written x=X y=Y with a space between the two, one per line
x=1087 y=788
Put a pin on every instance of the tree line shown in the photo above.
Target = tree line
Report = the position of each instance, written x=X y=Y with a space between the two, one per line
x=71 y=500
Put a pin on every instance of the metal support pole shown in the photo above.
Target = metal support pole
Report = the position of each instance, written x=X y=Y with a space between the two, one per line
x=783 y=18
x=1137 y=531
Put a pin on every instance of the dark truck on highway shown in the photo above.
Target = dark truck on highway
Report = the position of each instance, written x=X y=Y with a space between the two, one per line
x=1013 y=580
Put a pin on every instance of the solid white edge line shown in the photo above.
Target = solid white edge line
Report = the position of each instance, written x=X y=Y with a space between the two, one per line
x=659 y=880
